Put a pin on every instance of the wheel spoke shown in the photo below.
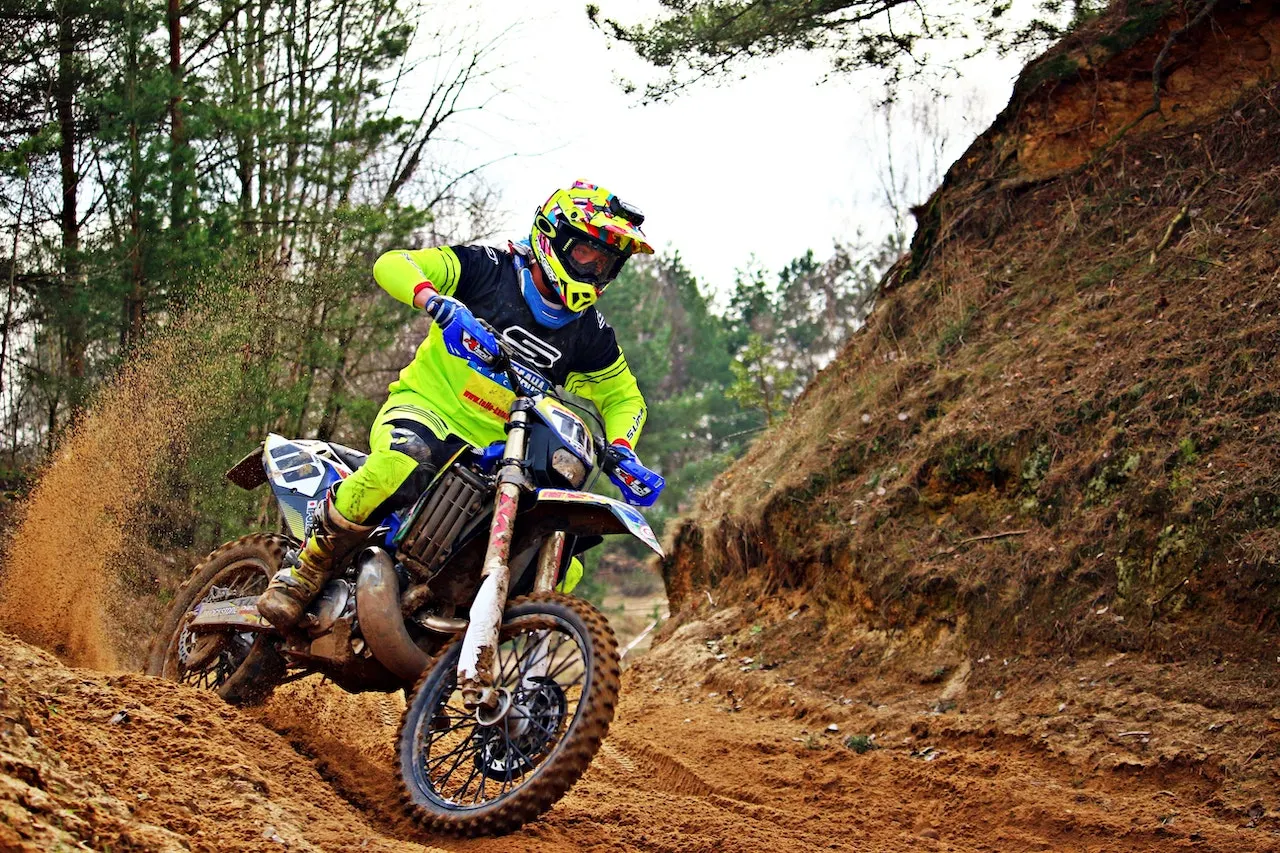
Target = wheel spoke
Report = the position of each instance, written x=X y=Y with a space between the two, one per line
x=520 y=664
x=507 y=765
x=576 y=681
x=500 y=672
x=551 y=655
x=433 y=763
x=539 y=647
x=569 y=660
x=524 y=758
x=464 y=751
x=456 y=763
x=467 y=784
x=546 y=731
x=440 y=734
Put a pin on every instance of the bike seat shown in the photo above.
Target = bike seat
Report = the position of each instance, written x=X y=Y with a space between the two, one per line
x=353 y=458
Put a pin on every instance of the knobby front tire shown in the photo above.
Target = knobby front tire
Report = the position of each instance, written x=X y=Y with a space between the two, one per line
x=464 y=779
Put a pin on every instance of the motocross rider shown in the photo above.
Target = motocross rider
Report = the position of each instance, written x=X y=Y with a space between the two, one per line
x=539 y=297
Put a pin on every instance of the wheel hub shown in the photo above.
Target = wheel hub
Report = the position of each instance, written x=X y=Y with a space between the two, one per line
x=501 y=707
x=520 y=730
x=207 y=658
x=200 y=653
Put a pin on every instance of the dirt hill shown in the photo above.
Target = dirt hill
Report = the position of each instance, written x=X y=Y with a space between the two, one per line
x=1056 y=432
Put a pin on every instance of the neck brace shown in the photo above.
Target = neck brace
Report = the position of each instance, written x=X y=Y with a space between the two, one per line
x=547 y=313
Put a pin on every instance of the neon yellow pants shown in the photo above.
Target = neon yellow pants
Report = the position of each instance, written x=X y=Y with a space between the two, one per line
x=408 y=444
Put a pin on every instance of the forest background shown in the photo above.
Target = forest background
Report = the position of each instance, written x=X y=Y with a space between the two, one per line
x=158 y=159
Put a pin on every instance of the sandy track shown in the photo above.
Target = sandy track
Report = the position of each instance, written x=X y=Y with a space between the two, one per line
x=684 y=769
x=181 y=770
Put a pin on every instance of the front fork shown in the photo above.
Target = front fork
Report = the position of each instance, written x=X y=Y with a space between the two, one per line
x=550 y=558
x=477 y=663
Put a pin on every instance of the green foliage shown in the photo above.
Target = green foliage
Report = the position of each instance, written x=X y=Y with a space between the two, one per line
x=962 y=461
x=700 y=39
x=1157 y=576
x=1036 y=467
x=274 y=149
x=1111 y=474
x=783 y=332
x=591 y=588
x=953 y=335
x=273 y=155
x=1051 y=69
x=861 y=744
x=758 y=382
x=1144 y=19
x=813 y=741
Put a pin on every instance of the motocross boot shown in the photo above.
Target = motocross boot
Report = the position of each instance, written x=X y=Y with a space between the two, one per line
x=332 y=537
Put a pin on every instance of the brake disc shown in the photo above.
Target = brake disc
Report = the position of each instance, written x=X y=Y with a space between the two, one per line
x=513 y=745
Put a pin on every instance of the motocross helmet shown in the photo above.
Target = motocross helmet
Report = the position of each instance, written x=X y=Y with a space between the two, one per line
x=581 y=237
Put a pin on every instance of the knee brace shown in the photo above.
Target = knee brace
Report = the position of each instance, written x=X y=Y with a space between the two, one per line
x=411 y=443
x=417 y=442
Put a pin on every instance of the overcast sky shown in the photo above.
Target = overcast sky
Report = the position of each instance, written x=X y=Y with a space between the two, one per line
x=771 y=165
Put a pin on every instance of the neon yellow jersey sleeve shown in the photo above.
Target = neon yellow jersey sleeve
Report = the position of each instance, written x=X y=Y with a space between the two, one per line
x=401 y=272
x=613 y=390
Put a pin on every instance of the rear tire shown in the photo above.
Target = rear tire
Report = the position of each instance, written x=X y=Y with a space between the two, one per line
x=548 y=758
x=248 y=669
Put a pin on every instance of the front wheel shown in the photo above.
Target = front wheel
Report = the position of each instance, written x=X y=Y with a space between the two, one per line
x=557 y=676
x=242 y=667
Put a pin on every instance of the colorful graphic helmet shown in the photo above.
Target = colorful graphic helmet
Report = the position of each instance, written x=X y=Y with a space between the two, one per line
x=581 y=237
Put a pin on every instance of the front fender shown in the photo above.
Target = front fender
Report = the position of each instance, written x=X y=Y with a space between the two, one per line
x=587 y=513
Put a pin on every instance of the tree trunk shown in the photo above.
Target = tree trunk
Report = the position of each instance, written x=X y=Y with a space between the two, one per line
x=332 y=406
x=238 y=57
x=71 y=286
x=178 y=149
x=261 y=152
x=12 y=284
x=135 y=302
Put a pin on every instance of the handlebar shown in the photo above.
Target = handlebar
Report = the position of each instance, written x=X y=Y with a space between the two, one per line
x=640 y=485
x=503 y=362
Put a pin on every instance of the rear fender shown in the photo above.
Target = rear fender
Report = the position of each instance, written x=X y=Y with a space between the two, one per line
x=300 y=472
x=249 y=472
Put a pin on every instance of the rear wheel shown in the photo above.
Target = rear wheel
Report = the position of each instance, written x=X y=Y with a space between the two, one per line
x=557 y=676
x=242 y=667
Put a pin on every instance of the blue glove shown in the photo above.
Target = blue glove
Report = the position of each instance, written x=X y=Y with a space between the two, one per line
x=442 y=309
x=463 y=333
x=639 y=485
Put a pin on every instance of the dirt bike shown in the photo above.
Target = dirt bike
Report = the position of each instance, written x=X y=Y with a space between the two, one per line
x=508 y=700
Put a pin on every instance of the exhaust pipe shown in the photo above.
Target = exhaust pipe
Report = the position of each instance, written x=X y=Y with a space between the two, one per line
x=378 y=608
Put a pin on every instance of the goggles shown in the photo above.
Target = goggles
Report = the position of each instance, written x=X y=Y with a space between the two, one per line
x=587 y=259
